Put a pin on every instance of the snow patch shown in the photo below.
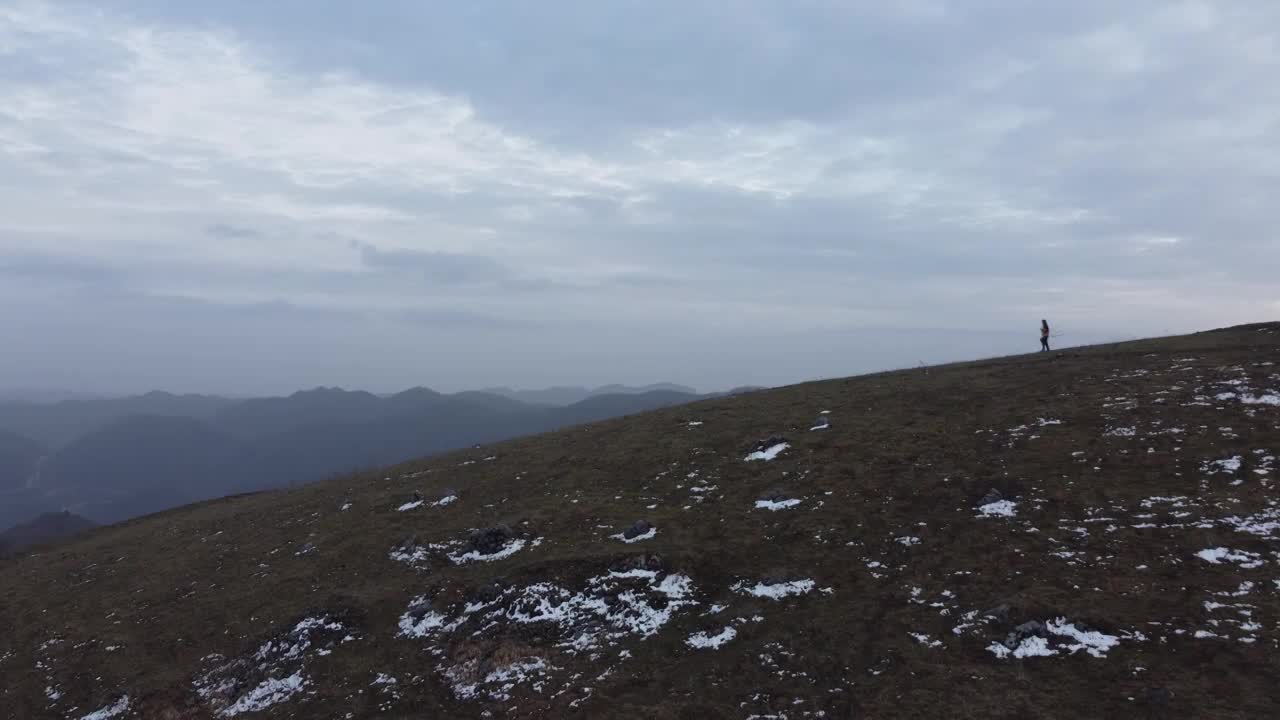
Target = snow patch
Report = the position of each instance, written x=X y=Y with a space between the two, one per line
x=511 y=548
x=1272 y=399
x=110 y=711
x=653 y=532
x=1029 y=647
x=702 y=641
x=925 y=640
x=768 y=453
x=271 y=692
x=776 y=505
x=776 y=591
x=1243 y=558
x=1000 y=508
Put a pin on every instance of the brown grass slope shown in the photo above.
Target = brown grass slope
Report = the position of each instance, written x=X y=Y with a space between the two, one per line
x=1126 y=463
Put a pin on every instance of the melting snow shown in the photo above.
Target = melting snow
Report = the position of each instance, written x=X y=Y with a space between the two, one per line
x=410 y=506
x=505 y=677
x=1029 y=647
x=1229 y=465
x=1263 y=524
x=1268 y=399
x=576 y=614
x=1244 y=558
x=1091 y=641
x=1000 y=508
x=110 y=711
x=776 y=591
x=776 y=505
x=511 y=548
x=702 y=641
x=272 y=692
x=653 y=532
x=768 y=453
x=925 y=640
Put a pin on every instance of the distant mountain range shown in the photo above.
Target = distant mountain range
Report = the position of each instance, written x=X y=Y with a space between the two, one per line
x=47 y=528
x=571 y=395
x=114 y=459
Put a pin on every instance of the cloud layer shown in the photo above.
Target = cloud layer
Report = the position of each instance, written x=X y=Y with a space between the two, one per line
x=257 y=196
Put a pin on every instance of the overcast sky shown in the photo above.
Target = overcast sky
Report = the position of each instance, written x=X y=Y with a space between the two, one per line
x=255 y=197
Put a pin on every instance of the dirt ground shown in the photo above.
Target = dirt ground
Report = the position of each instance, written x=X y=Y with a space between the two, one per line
x=1086 y=533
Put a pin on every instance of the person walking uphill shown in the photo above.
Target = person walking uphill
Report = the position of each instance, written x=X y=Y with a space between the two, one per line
x=1044 y=336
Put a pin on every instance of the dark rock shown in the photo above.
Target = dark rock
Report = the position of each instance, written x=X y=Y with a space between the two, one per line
x=768 y=443
x=651 y=563
x=488 y=593
x=776 y=496
x=639 y=528
x=999 y=612
x=307 y=548
x=777 y=577
x=490 y=540
x=1032 y=627
x=992 y=496
x=1159 y=697
x=408 y=544
x=417 y=496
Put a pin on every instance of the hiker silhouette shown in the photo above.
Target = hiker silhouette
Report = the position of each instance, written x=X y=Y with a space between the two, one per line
x=1044 y=336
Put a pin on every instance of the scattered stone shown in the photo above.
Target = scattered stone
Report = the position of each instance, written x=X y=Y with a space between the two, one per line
x=775 y=496
x=641 y=527
x=1032 y=627
x=992 y=496
x=490 y=541
x=1159 y=697
x=488 y=593
x=767 y=449
x=648 y=563
x=779 y=577
x=999 y=612
x=307 y=549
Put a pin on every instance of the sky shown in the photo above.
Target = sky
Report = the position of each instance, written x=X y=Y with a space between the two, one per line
x=248 y=198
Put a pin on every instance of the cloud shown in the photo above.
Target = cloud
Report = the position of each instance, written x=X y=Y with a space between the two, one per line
x=438 y=267
x=231 y=232
x=642 y=178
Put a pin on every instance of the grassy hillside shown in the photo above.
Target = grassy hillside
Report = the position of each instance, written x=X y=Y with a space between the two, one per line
x=1089 y=533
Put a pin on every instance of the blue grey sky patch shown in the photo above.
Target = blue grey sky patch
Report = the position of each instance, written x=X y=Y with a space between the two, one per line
x=710 y=193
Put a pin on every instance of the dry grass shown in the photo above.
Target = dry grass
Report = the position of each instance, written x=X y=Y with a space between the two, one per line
x=907 y=455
